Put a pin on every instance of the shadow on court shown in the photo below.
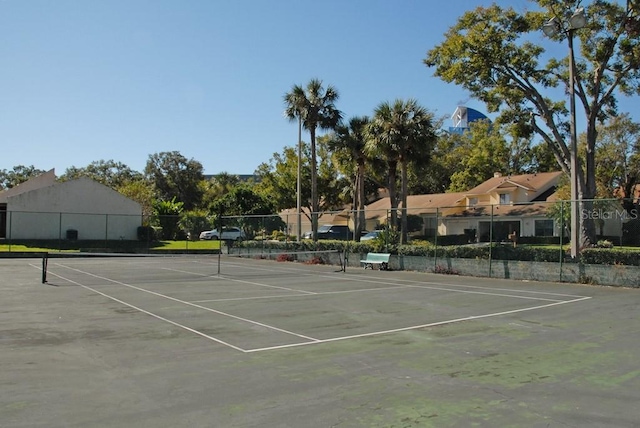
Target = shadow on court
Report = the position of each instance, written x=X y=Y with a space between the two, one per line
x=170 y=342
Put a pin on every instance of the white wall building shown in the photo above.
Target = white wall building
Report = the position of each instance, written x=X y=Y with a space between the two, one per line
x=83 y=209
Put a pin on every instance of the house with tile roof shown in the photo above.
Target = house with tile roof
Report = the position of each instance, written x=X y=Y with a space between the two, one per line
x=513 y=204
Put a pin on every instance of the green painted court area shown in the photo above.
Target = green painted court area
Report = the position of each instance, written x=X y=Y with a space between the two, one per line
x=208 y=341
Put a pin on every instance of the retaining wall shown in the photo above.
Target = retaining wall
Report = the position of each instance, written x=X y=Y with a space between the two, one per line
x=613 y=275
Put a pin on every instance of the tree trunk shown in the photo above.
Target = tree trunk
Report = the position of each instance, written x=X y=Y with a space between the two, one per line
x=355 y=203
x=587 y=189
x=362 y=221
x=403 y=228
x=393 y=197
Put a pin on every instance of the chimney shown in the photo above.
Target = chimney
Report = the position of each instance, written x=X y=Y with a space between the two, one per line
x=497 y=174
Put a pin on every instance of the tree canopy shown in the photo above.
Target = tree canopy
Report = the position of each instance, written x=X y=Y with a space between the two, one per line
x=110 y=173
x=19 y=174
x=175 y=176
x=491 y=53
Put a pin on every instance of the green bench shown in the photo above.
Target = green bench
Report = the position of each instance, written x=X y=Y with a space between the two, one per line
x=373 y=259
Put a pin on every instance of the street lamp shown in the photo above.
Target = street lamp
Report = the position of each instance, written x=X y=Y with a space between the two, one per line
x=552 y=28
x=299 y=181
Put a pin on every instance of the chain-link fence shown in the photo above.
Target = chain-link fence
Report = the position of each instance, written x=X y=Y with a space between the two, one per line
x=530 y=231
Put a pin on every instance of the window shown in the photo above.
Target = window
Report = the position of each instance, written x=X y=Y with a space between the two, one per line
x=473 y=202
x=544 y=227
x=505 y=198
x=430 y=226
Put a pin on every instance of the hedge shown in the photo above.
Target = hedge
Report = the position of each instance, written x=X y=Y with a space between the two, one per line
x=607 y=256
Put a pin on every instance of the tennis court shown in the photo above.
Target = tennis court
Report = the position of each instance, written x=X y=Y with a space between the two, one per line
x=208 y=341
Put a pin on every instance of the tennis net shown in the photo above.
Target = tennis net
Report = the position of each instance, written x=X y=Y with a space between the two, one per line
x=181 y=268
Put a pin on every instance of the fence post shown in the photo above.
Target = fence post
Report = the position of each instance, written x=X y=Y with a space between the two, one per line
x=561 y=236
x=9 y=214
x=59 y=231
x=491 y=243
x=435 y=242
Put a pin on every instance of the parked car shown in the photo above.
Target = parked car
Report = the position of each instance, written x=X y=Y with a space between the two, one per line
x=329 y=231
x=228 y=234
x=371 y=235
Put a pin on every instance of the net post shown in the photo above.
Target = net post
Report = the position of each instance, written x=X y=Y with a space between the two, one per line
x=219 y=256
x=45 y=262
x=344 y=257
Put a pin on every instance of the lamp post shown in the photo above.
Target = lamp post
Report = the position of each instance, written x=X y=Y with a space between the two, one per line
x=299 y=185
x=551 y=29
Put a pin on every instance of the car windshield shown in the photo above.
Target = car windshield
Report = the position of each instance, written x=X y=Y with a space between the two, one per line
x=324 y=228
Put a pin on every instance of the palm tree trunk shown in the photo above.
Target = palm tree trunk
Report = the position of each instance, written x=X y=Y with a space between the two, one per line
x=393 y=197
x=355 y=203
x=403 y=228
x=361 y=217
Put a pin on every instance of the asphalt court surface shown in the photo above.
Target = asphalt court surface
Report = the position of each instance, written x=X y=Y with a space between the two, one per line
x=166 y=342
x=255 y=305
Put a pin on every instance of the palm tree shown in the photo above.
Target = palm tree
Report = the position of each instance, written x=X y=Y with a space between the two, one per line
x=349 y=141
x=400 y=133
x=315 y=107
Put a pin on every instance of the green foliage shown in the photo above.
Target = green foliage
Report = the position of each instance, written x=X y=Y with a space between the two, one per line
x=244 y=207
x=314 y=107
x=608 y=256
x=401 y=133
x=277 y=180
x=194 y=222
x=176 y=177
x=618 y=157
x=603 y=243
x=495 y=251
x=110 y=173
x=482 y=151
x=146 y=233
x=141 y=191
x=19 y=174
x=168 y=215
x=387 y=241
x=490 y=53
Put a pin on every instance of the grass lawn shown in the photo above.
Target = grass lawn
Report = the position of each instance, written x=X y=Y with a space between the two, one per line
x=125 y=246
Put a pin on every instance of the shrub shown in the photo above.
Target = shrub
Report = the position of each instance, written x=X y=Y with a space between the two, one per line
x=603 y=243
x=316 y=260
x=609 y=256
x=446 y=270
x=285 y=258
x=146 y=233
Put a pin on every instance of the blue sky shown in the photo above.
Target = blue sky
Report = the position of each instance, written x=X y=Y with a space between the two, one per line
x=85 y=80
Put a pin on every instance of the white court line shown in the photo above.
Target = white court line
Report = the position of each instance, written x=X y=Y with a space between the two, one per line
x=443 y=288
x=199 y=333
x=369 y=280
x=491 y=288
x=239 y=280
x=312 y=339
x=398 y=284
x=415 y=327
x=426 y=283
x=322 y=293
x=442 y=284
